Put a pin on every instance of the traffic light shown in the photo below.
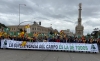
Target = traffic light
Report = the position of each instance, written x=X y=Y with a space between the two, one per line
x=21 y=30
x=51 y=33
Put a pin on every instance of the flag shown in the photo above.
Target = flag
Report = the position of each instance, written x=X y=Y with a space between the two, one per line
x=23 y=43
x=14 y=33
x=1 y=33
x=98 y=36
x=61 y=32
x=6 y=29
x=21 y=34
x=79 y=36
x=30 y=34
x=11 y=33
x=35 y=35
x=27 y=26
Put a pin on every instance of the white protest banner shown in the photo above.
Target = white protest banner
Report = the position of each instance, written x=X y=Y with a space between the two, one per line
x=50 y=46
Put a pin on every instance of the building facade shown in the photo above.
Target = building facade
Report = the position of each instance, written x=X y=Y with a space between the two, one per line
x=68 y=32
x=79 y=28
x=34 y=28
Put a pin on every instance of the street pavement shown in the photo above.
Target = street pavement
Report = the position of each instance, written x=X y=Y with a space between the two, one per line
x=30 y=55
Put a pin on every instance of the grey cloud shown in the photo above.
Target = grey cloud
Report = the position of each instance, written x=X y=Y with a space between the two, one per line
x=41 y=18
x=8 y=6
x=92 y=23
x=64 y=10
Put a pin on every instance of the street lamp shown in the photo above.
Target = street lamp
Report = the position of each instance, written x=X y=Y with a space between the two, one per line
x=19 y=11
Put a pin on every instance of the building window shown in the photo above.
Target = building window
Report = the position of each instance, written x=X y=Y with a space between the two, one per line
x=2 y=29
x=32 y=28
x=14 y=28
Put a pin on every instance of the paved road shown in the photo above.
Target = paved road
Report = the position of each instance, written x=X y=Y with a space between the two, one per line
x=26 y=55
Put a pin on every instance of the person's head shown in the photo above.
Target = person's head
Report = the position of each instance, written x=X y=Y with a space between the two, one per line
x=58 y=37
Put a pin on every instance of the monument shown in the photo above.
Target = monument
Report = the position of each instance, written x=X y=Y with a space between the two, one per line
x=79 y=28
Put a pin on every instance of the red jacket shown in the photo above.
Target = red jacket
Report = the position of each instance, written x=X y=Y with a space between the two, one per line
x=57 y=40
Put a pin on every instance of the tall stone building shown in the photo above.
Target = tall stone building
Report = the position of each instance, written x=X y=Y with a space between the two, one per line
x=68 y=32
x=79 y=28
x=34 y=28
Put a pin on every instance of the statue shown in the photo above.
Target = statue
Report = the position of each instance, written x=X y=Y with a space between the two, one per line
x=80 y=4
x=79 y=28
x=34 y=22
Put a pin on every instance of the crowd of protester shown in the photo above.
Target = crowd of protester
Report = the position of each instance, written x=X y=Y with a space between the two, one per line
x=54 y=39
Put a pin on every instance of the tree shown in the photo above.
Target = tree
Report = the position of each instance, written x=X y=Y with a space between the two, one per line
x=88 y=35
x=95 y=33
x=2 y=25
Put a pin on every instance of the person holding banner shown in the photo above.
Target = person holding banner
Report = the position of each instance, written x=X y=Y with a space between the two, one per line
x=45 y=39
x=99 y=43
x=91 y=41
x=66 y=39
x=33 y=39
x=0 y=41
x=84 y=41
x=58 y=39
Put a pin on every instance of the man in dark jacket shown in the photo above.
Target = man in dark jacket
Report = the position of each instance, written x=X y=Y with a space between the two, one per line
x=58 y=39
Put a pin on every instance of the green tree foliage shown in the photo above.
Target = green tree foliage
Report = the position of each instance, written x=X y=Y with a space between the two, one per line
x=2 y=25
x=95 y=33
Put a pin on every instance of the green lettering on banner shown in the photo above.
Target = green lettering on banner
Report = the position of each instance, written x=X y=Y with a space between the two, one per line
x=66 y=47
x=86 y=47
x=76 y=47
x=71 y=47
x=81 y=48
x=60 y=46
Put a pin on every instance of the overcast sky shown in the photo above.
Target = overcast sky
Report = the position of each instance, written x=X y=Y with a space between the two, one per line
x=62 y=14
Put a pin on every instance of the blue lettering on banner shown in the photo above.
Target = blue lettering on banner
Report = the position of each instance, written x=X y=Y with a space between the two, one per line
x=42 y=46
x=51 y=47
x=31 y=46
